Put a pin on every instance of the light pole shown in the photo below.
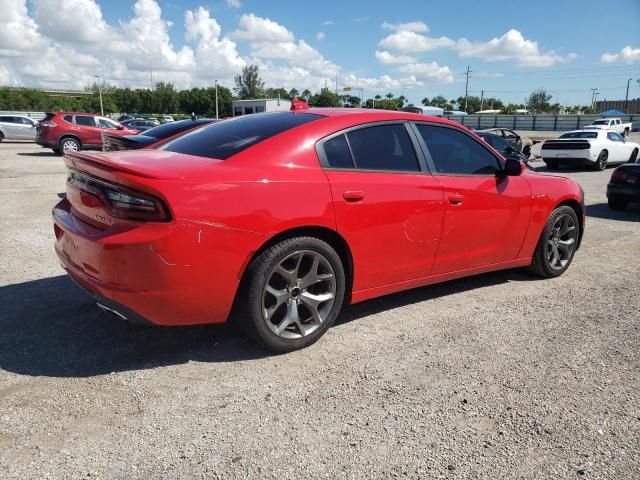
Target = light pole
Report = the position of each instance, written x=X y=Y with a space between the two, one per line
x=216 y=82
x=100 y=93
x=626 y=98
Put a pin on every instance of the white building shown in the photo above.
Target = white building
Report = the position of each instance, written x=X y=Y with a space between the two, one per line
x=246 y=107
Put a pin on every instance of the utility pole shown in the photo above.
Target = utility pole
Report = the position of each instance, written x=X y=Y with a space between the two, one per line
x=481 y=100
x=593 y=96
x=466 y=89
x=626 y=97
x=216 y=83
x=336 y=82
x=100 y=93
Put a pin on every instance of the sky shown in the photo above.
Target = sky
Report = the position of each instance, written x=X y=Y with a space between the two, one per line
x=413 y=48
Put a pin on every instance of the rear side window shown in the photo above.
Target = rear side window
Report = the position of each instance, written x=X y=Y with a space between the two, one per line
x=224 y=139
x=337 y=152
x=454 y=152
x=85 y=120
x=385 y=147
x=68 y=118
x=6 y=119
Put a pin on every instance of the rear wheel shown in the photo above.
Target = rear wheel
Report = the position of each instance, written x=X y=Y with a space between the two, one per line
x=634 y=156
x=557 y=244
x=69 y=144
x=552 y=164
x=625 y=133
x=292 y=294
x=1 y=137
x=601 y=163
x=617 y=203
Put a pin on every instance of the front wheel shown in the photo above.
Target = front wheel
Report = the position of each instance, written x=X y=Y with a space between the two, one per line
x=526 y=151
x=552 y=164
x=557 y=244
x=292 y=294
x=634 y=156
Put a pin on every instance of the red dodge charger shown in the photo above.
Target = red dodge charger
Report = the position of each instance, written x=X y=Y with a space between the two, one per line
x=279 y=219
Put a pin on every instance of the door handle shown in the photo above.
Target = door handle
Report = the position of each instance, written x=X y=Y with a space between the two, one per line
x=353 y=195
x=456 y=199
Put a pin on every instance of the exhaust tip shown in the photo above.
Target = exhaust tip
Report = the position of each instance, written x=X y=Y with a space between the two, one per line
x=104 y=308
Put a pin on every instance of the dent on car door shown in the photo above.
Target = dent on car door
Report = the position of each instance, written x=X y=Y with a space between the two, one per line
x=486 y=214
x=387 y=207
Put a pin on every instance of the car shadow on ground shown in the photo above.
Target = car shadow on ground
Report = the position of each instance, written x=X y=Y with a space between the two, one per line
x=38 y=154
x=51 y=328
x=602 y=210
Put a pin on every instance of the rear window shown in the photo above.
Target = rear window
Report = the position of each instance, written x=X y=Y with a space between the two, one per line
x=224 y=139
x=172 y=128
x=579 y=135
x=601 y=122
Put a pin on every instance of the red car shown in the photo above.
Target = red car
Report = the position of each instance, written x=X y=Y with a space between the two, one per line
x=279 y=219
x=67 y=131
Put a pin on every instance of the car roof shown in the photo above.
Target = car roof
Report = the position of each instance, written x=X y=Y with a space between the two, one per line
x=74 y=113
x=373 y=115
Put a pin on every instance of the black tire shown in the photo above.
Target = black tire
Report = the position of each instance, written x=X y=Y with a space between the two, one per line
x=1 y=137
x=56 y=150
x=552 y=164
x=251 y=297
x=69 y=143
x=617 y=203
x=634 y=156
x=601 y=162
x=526 y=151
x=540 y=263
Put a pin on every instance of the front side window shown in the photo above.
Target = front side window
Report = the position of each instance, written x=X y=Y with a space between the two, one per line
x=384 y=147
x=104 y=123
x=454 y=152
x=85 y=121
x=614 y=137
x=498 y=143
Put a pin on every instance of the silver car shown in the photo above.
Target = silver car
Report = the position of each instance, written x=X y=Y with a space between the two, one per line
x=17 y=127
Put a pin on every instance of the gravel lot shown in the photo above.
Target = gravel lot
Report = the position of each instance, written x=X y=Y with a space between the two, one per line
x=495 y=376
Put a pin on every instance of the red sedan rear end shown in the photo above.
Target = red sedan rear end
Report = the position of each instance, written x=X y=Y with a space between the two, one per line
x=281 y=218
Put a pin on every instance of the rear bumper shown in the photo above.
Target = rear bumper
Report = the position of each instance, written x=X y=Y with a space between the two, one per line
x=624 y=190
x=46 y=143
x=577 y=157
x=176 y=273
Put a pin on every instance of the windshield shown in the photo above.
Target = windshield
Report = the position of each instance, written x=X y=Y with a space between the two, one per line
x=601 y=122
x=579 y=135
x=223 y=139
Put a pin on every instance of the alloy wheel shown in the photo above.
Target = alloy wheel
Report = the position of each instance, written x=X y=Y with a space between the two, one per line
x=602 y=160
x=562 y=242
x=70 y=145
x=299 y=294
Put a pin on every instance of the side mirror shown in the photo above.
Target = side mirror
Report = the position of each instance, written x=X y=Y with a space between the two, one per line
x=512 y=167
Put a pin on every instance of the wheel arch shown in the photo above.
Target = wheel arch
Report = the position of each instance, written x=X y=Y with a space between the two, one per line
x=333 y=238
x=580 y=212
x=69 y=135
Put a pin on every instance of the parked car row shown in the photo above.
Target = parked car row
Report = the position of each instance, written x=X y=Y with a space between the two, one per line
x=17 y=127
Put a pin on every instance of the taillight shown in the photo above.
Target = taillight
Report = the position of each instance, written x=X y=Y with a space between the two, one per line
x=120 y=201
x=48 y=123
x=619 y=176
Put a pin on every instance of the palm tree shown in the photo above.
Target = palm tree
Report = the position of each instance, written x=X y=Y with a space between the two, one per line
x=389 y=95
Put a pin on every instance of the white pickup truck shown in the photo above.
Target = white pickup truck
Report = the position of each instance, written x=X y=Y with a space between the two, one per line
x=611 y=124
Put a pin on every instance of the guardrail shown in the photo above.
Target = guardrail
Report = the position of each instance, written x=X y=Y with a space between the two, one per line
x=34 y=115
x=535 y=122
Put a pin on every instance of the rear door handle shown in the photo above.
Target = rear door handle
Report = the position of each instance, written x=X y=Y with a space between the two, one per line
x=455 y=198
x=353 y=195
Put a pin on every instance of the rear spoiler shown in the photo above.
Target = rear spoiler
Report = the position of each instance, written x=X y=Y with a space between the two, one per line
x=108 y=163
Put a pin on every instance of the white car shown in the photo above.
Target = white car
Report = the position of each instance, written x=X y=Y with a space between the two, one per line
x=596 y=148
x=166 y=119
x=17 y=127
x=611 y=124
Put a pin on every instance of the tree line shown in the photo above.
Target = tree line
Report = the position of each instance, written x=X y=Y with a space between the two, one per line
x=166 y=99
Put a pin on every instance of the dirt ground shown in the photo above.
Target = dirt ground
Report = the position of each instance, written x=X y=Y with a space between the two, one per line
x=495 y=376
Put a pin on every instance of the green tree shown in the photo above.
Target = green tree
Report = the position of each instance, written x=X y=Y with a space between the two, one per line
x=293 y=93
x=249 y=84
x=326 y=98
x=306 y=94
x=538 y=101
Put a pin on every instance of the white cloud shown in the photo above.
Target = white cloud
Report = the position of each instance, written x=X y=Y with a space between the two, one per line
x=387 y=58
x=410 y=42
x=511 y=46
x=18 y=31
x=320 y=36
x=258 y=29
x=234 y=3
x=328 y=22
x=429 y=72
x=419 y=27
x=627 y=54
